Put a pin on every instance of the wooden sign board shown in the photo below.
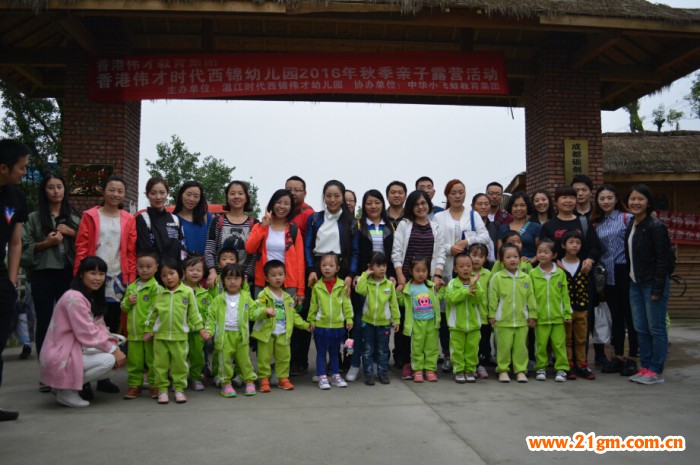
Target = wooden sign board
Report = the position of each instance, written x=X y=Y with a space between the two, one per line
x=86 y=180
x=575 y=158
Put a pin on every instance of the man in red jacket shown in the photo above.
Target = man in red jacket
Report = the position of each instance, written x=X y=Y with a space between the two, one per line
x=302 y=211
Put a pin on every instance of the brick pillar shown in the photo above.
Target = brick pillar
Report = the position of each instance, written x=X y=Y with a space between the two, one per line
x=561 y=104
x=100 y=132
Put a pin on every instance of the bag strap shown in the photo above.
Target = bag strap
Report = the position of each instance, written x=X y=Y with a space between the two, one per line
x=584 y=225
x=524 y=228
x=471 y=220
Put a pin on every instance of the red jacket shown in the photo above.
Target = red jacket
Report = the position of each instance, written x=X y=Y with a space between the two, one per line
x=89 y=233
x=293 y=257
x=301 y=217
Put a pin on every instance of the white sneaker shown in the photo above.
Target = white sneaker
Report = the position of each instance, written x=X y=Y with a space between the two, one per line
x=541 y=375
x=504 y=377
x=315 y=379
x=353 y=372
x=560 y=377
x=521 y=378
x=197 y=385
x=470 y=377
x=70 y=398
x=323 y=383
x=338 y=381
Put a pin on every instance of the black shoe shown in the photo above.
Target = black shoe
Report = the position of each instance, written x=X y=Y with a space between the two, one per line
x=585 y=373
x=297 y=370
x=26 y=352
x=6 y=415
x=369 y=381
x=105 y=385
x=44 y=389
x=86 y=393
x=614 y=366
x=384 y=378
x=629 y=368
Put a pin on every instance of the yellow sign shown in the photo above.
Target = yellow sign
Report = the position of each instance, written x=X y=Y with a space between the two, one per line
x=575 y=158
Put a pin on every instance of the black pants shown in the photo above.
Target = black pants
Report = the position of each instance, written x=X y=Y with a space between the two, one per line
x=47 y=287
x=301 y=339
x=8 y=301
x=618 y=298
x=402 y=344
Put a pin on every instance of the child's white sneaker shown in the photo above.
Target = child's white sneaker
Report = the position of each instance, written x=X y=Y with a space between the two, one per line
x=541 y=375
x=338 y=381
x=504 y=377
x=316 y=378
x=353 y=372
x=323 y=383
x=521 y=378
x=470 y=377
x=560 y=377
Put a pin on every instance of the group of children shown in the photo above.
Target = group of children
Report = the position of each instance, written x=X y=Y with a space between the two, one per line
x=170 y=316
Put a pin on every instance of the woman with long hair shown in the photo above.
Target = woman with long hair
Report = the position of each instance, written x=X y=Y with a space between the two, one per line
x=192 y=209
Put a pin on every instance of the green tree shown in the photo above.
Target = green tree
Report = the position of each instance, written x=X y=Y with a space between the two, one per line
x=176 y=164
x=674 y=117
x=658 y=116
x=37 y=123
x=694 y=96
x=635 y=121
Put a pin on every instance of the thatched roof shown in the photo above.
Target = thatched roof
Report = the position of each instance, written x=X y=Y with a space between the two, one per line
x=639 y=9
x=651 y=152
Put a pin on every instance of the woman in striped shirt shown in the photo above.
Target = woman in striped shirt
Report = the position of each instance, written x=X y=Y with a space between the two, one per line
x=610 y=219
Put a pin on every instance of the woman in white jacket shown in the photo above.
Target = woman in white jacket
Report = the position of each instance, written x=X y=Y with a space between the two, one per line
x=415 y=236
x=460 y=228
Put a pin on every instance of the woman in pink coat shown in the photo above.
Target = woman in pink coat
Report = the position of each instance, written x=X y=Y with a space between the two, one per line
x=78 y=348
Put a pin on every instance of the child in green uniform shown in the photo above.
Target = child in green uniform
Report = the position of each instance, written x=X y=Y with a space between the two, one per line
x=330 y=314
x=137 y=303
x=379 y=313
x=174 y=314
x=422 y=321
x=466 y=310
x=274 y=333
x=512 y=309
x=479 y=254
x=194 y=272
x=513 y=238
x=553 y=311
x=228 y=319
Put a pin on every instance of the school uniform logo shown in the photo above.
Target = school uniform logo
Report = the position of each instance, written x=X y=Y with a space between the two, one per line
x=387 y=291
x=9 y=213
x=526 y=285
x=184 y=301
x=204 y=301
x=560 y=284
x=145 y=298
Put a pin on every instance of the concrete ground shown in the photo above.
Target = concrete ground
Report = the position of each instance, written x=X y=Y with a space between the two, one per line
x=401 y=423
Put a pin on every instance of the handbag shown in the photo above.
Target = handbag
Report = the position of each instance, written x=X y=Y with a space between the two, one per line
x=603 y=324
x=600 y=276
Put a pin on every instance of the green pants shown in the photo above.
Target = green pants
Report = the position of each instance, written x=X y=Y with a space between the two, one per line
x=278 y=347
x=234 y=348
x=425 y=345
x=170 y=355
x=511 y=345
x=464 y=350
x=196 y=356
x=557 y=334
x=139 y=357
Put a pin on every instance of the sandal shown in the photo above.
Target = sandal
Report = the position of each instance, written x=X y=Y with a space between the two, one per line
x=180 y=397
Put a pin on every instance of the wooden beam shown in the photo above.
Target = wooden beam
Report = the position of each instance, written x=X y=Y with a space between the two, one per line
x=172 y=7
x=33 y=56
x=616 y=89
x=629 y=74
x=594 y=47
x=598 y=22
x=31 y=74
x=680 y=54
x=76 y=30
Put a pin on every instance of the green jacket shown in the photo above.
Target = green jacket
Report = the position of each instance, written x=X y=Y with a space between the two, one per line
x=248 y=310
x=332 y=310
x=408 y=305
x=262 y=329
x=484 y=280
x=466 y=311
x=511 y=299
x=174 y=314
x=381 y=307
x=47 y=259
x=552 y=296
x=523 y=267
x=218 y=288
x=139 y=313
x=204 y=300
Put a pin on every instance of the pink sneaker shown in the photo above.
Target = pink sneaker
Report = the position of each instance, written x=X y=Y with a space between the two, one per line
x=431 y=376
x=481 y=372
x=418 y=376
x=407 y=372
x=228 y=391
x=250 y=389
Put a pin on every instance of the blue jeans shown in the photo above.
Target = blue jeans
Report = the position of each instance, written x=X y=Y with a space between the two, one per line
x=649 y=319
x=328 y=341
x=376 y=348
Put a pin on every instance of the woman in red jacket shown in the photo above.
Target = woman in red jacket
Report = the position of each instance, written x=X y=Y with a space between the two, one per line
x=277 y=238
x=109 y=232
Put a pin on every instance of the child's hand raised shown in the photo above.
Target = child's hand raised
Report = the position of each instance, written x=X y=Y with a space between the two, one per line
x=132 y=299
x=267 y=219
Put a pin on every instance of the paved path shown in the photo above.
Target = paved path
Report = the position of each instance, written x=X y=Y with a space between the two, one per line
x=402 y=423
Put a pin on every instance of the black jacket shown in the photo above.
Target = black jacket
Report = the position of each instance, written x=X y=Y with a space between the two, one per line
x=165 y=235
x=364 y=246
x=651 y=253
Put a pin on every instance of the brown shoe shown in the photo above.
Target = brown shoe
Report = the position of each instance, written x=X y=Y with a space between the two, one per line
x=265 y=385
x=286 y=384
x=153 y=392
x=133 y=392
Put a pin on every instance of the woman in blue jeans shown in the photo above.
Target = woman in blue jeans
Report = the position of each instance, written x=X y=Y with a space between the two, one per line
x=649 y=254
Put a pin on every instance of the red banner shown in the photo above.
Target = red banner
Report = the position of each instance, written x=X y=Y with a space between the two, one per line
x=238 y=75
x=683 y=228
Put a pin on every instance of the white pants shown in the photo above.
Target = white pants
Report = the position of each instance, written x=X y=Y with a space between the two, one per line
x=97 y=366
